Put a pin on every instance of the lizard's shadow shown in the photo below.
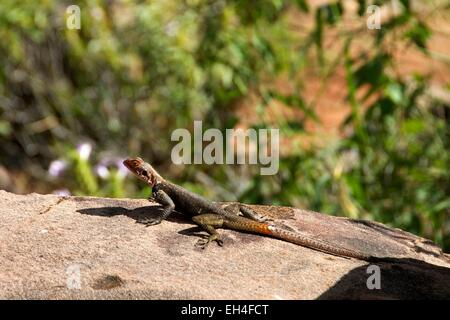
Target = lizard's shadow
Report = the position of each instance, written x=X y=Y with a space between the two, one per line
x=142 y=214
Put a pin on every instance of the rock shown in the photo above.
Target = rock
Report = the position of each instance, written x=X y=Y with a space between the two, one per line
x=54 y=247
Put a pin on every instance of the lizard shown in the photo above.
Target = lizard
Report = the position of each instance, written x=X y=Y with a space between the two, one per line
x=210 y=215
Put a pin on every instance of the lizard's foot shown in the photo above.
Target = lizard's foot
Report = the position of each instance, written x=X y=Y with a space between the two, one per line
x=262 y=219
x=251 y=214
x=151 y=221
x=203 y=243
x=232 y=208
x=265 y=219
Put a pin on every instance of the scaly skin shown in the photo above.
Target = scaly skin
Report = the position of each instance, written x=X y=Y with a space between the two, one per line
x=210 y=215
x=243 y=224
x=172 y=196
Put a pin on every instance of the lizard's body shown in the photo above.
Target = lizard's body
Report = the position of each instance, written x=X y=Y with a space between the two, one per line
x=210 y=215
x=192 y=204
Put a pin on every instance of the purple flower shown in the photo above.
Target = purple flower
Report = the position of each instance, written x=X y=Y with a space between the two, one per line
x=84 y=150
x=122 y=171
x=61 y=192
x=102 y=171
x=57 y=167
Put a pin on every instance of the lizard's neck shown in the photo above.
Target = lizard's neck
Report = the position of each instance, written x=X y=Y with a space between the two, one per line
x=156 y=176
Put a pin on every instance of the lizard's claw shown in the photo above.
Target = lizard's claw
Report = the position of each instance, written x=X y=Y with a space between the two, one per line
x=265 y=219
x=151 y=221
x=203 y=243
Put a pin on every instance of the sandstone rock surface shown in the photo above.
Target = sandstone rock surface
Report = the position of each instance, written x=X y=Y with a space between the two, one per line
x=55 y=247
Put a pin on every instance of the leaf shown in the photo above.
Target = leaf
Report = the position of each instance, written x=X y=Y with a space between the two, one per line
x=332 y=12
x=406 y=4
x=443 y=205
x=223 y=72
x=362 y=5
x=395 y=92
x=302 y=5
x=413 y=126
x=419 y=35
x=317 y=36
x=296 y=101
x=5 y=128
x=372 y=72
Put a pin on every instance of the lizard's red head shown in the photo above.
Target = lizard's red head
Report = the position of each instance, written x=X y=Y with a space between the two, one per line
x=142 y=170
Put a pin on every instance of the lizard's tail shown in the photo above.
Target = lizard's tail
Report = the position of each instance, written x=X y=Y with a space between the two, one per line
x=315 y=244
x=297 y=238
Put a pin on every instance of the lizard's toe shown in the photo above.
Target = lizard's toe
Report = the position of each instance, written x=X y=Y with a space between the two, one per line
x=265 y=219
x=202 y=243
x=151 y=222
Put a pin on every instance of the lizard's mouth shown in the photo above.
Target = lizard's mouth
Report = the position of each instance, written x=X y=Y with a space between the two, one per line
x=135 y=166
x=128 y=164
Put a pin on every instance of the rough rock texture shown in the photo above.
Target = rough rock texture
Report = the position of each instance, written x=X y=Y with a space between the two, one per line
x=83 y=247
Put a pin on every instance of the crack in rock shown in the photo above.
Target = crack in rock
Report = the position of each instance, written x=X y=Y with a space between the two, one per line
x=53 y=205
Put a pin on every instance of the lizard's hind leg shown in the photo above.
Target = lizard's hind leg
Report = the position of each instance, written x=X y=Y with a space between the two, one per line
x=232 y=208
x=209 y=222
x=251 y=214
x=237 y=208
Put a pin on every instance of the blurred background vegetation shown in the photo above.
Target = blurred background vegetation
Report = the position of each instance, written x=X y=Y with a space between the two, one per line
x=363 y=114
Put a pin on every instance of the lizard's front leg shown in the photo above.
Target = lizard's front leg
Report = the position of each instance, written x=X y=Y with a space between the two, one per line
x=209 y=222
x=168 y=206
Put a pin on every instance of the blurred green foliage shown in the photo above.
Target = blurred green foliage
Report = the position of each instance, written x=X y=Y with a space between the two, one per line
x=136 y=70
